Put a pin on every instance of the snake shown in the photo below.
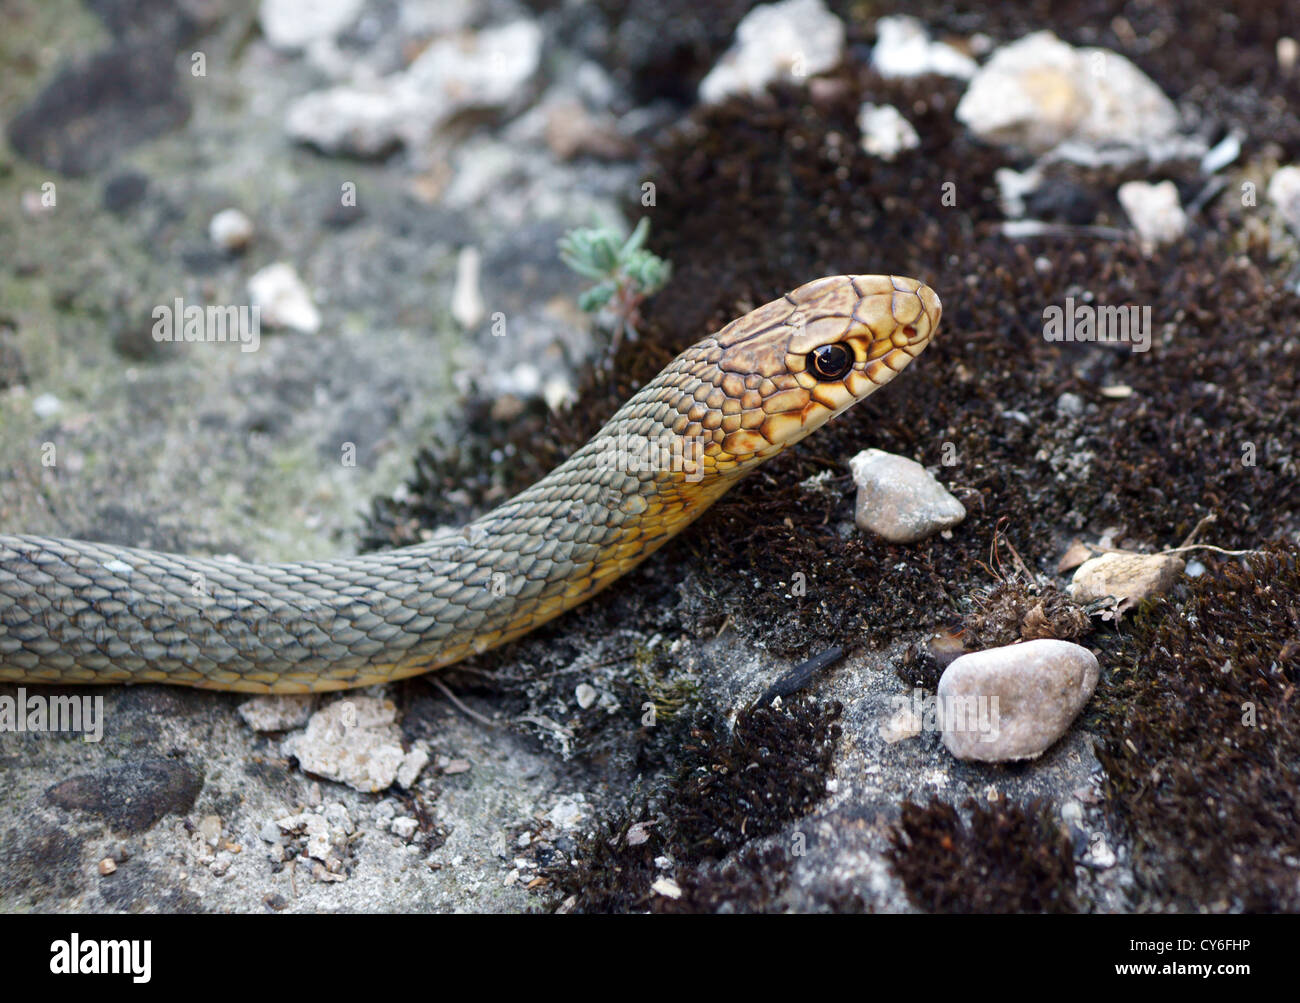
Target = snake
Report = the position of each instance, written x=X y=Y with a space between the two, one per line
x=75 y=612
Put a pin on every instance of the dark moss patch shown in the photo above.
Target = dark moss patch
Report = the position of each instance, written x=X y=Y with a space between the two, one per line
x=730 y=790
x=1200 y=738
x=1005 y=859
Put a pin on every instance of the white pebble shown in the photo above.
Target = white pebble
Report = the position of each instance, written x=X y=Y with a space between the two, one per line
x=230 y=230
x=283 y=299
x=904 y=49
x=792 y=39
x=1154 y=210
x=885 y=132
x=1013 y=702
x=899 y=499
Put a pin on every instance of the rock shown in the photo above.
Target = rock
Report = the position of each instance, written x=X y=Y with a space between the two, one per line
x=1284 y=192
x=902 y=725
x=793 y=39
x=899 y=499
x=585 y=694
x=283 y=299
x=230 y=230
x=316 y=830
x=666 y=887
x=1038 y=92
x=107 y=866
x=46 y=406
x=277 y=713
x=290 y=25
x=131 y=798
x=467 y=307
x=95 y=109
x=1128 y=577
x=1012 y=703
x=404 y=828
x=354 y=741
x=904 y=49
x=413 y=764
x=885 y=132
x=1013 y=187
x=487 y=69
x=568 y=812
x=1154 y=210
x=571 y=131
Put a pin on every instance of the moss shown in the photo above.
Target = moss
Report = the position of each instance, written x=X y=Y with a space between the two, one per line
x=730 y=789
x=1005 y=859
x=1200 y=737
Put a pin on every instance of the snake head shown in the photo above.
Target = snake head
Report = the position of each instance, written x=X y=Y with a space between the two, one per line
x=790 y=366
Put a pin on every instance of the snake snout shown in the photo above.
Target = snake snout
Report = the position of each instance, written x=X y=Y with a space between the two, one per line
x=916 y=310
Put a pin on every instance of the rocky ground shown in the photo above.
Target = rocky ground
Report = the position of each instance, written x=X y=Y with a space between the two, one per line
x=401 y=171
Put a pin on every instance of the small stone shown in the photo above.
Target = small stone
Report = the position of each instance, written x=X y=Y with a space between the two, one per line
x=567 y=814
x=1038 y=92
x=283 y=299
x=456 y=73
x=210 y=829
x=1100 y=855
x=107 y=866
x=455 y=766
x=885 y=132
x=1070 y=405
x=585 y=694
x=230 y=230
x=316 y=831
x=1013 y=702
x=1288 y=53
x=1128 y=577
x=899 y=499
x=46 y=406
x=1284 y=192
x=793 y=39
x=404 y=828
x=571 y=131
x=277 y=713
x=639 y=833
x=467 y=307
x=904 y=49
x=666 y=887
x=292 y=24
x=1154 y=210
x=903 y=725
x=355 y=741
x=413 y=764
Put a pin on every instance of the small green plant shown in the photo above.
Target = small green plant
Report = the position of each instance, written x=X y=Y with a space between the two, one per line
x=625 y=272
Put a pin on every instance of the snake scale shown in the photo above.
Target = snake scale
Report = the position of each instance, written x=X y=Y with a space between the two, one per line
x=73 y=612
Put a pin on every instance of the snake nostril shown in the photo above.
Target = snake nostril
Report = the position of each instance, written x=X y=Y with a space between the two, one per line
x=910 y=331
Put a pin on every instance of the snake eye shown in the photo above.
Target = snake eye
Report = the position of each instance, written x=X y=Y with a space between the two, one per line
x=830 y=362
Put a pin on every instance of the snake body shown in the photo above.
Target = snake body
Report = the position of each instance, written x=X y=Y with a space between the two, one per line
x=77 y=612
